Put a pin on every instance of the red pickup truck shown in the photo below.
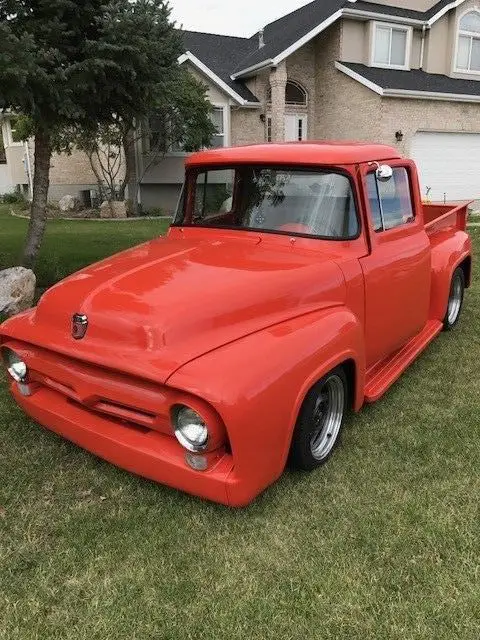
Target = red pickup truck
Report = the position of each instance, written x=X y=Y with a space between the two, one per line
x=296 y=283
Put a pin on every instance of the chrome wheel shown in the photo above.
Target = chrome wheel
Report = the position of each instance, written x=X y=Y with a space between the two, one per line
x=327 y=417
x=455 y=300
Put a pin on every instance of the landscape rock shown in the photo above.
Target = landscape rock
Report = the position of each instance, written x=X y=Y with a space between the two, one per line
x=17 y=290
x=69 y=203
x=113 y=209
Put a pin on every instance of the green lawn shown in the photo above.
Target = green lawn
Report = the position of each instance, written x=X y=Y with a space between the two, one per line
x=69 y=246
x=382 y=543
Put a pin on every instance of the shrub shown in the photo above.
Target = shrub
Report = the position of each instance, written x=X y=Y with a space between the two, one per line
x=15 y=197
x=155 y=212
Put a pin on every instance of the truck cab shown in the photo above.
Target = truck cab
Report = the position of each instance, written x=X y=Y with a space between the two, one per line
x=297 y=282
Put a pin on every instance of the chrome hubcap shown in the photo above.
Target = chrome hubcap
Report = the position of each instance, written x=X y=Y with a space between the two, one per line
x=327 y=417
x=455 y=301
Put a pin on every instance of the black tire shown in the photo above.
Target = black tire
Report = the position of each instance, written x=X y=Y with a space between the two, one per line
x=455 y=300
x=320 y=421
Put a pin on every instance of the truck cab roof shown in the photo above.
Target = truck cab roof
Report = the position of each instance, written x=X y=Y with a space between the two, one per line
x=297 y=153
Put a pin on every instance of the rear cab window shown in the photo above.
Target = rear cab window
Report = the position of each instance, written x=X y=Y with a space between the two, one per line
x=390 y=201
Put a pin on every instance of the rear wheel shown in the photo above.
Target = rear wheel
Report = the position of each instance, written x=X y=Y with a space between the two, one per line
x=320 y=422
x=455 y=299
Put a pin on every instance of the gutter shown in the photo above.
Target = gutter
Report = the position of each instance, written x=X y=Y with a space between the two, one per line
x=358 y=13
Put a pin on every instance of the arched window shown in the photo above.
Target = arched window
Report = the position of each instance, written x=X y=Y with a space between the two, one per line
x=468 y=47
x=295 y=94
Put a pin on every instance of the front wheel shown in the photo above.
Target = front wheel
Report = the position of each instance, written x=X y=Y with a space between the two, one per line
x=455 y=300
x=320 y=422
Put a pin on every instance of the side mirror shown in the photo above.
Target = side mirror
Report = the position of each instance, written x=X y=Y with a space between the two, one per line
x=384 y=173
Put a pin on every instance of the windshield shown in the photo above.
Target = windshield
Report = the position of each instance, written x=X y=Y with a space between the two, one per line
x=282 y=200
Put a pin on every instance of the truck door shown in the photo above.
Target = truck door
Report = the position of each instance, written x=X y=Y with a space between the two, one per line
x=397 y=271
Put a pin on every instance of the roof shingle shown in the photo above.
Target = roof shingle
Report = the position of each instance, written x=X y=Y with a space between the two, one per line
x=415 y=80
x=221 y=55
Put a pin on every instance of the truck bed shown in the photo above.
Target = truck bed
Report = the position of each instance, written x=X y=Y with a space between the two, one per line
x=438 y=217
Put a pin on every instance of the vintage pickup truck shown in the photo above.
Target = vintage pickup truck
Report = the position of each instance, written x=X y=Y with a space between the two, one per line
x=296 y=283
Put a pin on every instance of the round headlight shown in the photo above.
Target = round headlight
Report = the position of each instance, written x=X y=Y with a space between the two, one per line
x=16 y=367
x=190 y=429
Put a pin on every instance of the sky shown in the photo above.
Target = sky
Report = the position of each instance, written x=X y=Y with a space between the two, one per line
x=230 y=18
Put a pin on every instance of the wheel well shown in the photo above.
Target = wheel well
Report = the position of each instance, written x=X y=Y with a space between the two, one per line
x=466 y=267
x=351 y=373
x=350 y=370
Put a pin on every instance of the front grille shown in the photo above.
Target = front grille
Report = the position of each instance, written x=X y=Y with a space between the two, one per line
x=95 y=389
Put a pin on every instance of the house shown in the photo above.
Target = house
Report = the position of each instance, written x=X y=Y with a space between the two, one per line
x=69 y=173
x=403 y=72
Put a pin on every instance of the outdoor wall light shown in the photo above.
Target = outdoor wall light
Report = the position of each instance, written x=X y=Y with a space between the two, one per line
x=399 y=136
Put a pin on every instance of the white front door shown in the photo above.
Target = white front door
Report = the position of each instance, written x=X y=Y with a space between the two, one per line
x=295 y=128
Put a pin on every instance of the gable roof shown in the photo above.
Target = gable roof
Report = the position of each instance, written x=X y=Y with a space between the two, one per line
x=284 y=36
x=226 y=59
x=220 y=55
x=412 y=84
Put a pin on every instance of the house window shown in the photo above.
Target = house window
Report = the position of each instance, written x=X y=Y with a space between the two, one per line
x=269 y=129
x=295 y=95
x=157 y=134
x=217 y=116
x=391 y=46
x=468 y=47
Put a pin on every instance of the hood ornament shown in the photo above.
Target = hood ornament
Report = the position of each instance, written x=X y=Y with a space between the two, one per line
x=79 y=326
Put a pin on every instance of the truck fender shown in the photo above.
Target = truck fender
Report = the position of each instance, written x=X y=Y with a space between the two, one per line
x=257 y=385
x=449 y=250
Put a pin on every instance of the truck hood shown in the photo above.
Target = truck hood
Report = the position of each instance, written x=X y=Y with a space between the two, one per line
x=160 y=305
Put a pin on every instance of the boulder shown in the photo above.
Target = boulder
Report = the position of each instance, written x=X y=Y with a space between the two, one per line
x=69 y=203
x=17 y=290
x=114 y=209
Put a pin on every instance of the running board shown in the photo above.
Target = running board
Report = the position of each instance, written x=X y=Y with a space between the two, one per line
x=382 y=375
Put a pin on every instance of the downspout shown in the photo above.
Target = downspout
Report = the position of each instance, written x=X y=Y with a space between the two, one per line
x=422 y=48
x=28 y=167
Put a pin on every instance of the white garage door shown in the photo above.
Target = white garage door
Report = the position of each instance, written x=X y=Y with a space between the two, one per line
x=448 y=163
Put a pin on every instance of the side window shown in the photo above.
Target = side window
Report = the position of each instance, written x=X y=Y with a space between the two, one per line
x=390 y=201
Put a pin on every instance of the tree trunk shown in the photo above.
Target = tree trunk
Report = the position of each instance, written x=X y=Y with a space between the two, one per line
x=38 y=209
x=131 y=178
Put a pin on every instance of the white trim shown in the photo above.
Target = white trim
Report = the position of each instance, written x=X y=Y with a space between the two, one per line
x=406 y=93
x=373 y=41
x=250 y=70
x=307 y=37
x=188 y=56
x=356 y=76
x=430 y=95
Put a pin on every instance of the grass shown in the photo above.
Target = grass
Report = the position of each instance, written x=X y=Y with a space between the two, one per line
x=382 y=543
x=69 y=246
